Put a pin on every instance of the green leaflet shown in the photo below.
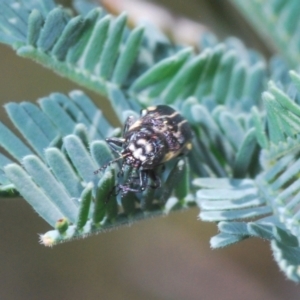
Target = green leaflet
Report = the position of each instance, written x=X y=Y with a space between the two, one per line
x=101 y=152
x=98 y=125
x=223 y=239
x=260 y=131
x=76 y=149
x=212 y=75
x=122 y=104
x=52 y=29
x=103 y=198
x=95 y=44
x=33 y=194
x=236 y=200
x=229 y=215
x=267 y=228
x=68 y=38
x=78 y=51
x=277 y=21
x=35 y=21
x=287 y=258
x=64 y=171
x=162 y=70
x=46 y=181
x=111 y=48
x=127 y=56
x=86 y=198
x=245 y=154
x=11 y=143
x=174 y=177
x=57 y=114
x=36 y=136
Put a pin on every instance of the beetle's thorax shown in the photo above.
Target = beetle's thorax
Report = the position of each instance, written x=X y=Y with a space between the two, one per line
x=145 y=148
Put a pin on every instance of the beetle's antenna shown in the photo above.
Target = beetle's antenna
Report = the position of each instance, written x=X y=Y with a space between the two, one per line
x=110 y=162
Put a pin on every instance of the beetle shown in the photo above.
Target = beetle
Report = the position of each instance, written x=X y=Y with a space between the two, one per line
x=159 y=135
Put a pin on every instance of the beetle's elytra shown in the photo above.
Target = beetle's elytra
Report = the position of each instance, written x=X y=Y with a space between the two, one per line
x=159 y=135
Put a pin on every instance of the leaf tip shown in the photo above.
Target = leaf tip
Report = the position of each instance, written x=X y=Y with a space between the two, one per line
x=48 y=239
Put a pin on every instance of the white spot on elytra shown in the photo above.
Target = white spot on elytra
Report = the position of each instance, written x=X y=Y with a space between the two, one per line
x=146 y=145
x=148 y=148
x=137 y=154
x=131 y=147
x=141 y=142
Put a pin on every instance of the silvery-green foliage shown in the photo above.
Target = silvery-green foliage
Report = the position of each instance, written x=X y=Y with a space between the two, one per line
x=278 y=22
x=243 y=169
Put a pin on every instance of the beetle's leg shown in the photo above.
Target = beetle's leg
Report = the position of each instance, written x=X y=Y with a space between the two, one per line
x=129 y=121
x=143 y=180
x=156 y=180
x=115 y=190
x=115 y=143
x=121 y=171
x=127 y=188
x=133 y=180
x=144 y=175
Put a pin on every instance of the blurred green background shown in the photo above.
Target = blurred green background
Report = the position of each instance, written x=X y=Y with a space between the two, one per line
x=163 y=258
